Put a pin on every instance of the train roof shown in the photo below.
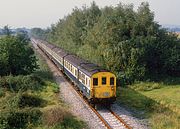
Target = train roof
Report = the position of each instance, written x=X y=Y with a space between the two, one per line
x=60 y=51
x=50 y=45
x=84 y=65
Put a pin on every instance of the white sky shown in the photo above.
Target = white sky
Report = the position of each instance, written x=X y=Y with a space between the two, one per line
x=42 y=13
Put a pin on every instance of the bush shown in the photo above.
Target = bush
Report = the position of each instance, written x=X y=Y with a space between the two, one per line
x=23 y=83
x=70 y=122
x=16 y=55
x=55 y=88
x=31 y=101
x=57 y=117
x=20 y=100
x=148 y=86
x=19 y=119
x=1 y=92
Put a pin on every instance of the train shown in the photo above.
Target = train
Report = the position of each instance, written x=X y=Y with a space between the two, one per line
x=96 y=84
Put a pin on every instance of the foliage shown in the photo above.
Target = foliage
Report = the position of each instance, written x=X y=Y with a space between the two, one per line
x=6 y=30
x=31 y=101
x=16 y=56
x=146 y=86
x=43 y=71
x=21 y=83
x=53 y=115
x=19 y=119
x=2 y=92
x=119 y=39
x=54 y=86
x=39 y=33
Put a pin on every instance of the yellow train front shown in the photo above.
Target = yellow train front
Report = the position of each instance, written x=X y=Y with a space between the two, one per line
x=103 y=88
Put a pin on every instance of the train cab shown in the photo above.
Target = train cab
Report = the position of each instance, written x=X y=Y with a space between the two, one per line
x=103 y=87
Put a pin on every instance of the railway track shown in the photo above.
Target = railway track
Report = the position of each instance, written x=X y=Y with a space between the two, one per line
x=109 y=118
x=114 y=121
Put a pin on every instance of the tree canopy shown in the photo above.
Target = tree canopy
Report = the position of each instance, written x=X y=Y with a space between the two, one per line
x=16 y=56
x=119 y=39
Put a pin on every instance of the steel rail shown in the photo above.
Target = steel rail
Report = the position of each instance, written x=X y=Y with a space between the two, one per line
x=120 y=119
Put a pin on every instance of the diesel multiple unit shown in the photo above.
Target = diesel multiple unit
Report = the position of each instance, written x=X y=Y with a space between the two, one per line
x=96 y=84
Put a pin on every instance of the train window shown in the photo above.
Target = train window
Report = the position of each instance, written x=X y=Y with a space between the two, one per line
x=103 y=80
x=112 y=81
x=95 y=81
x=83 y=78
x=72 y=70
x=86 y=80
x=76 y=72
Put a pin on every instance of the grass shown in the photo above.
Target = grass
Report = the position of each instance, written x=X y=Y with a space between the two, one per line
x=159 y=102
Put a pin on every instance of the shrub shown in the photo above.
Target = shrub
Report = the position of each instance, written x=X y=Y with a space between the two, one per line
x=12 y=101
x=16 y=55
x=70 y=122
x=55 y=88
x=31 y=101
x=148 y=86
x=19 y=119
x=1 y=92
x=20 y=100
x=23 y=83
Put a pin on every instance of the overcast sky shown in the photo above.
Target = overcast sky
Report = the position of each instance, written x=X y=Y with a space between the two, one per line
x=42 y=13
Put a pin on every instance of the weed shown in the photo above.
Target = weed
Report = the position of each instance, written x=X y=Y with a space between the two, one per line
x=2 y=93
x=54 y=115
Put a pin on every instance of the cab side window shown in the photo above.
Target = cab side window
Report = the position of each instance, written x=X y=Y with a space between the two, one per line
x=95 y=81
x=103 y=80
x=112 y=81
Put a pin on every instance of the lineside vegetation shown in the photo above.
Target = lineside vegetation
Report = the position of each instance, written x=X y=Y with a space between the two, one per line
x=28 y=95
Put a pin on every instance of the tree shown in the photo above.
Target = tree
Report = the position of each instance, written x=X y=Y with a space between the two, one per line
x=16 y=56
x=6 y=30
